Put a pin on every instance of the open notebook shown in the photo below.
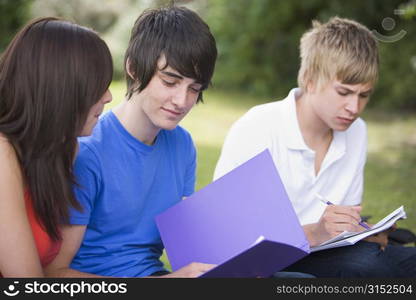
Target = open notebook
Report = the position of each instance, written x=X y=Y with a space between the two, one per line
x=350 y=238
x=243 y=222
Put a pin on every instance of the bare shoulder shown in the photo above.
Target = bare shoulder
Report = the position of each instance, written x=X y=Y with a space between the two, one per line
x=18 y=253
x=7 y=152
x=10 y=172
x=3 y=138
x=4 y=141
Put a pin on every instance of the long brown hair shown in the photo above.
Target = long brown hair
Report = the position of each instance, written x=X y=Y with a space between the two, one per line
x=51 y=74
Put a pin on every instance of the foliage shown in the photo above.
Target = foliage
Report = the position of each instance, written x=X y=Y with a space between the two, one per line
x=409 y=9
x=13 y=14
x=113 y=19
x=258 y=44
x=257 y=40
x=90 y=13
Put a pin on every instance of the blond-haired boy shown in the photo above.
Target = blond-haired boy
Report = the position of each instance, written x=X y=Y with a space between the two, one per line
x=318 y=144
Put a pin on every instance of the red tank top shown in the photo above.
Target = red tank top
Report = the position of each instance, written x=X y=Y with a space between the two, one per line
x=47 y=248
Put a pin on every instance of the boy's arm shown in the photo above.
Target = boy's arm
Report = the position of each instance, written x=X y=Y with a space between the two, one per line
x=72 y=236
x=246 y=138
x=87 y=173
x=190 y=173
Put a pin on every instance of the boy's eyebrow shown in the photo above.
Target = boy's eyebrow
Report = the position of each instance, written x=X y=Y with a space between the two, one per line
x=171 y=74
x=175 y=75
x=367 y=91
x=352 y=91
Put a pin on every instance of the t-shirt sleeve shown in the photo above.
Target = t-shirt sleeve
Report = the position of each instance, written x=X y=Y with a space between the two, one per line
x=246 y=138
x=87 y=175
x=190 y=173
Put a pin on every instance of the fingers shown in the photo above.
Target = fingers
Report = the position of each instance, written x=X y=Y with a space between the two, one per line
x=192 y=270
x=338 y=228
x=197 y=269
x=380 y=238
x=342 y=211
x=337 y=219
x=340 y=219
x=348 y=216
x=204 y=267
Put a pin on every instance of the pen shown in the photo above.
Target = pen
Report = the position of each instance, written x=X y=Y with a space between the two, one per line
x=327 y=202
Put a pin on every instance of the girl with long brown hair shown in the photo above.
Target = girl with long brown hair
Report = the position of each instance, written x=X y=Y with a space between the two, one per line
x=54 y=79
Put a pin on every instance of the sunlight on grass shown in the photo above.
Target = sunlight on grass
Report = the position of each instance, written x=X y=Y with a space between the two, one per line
x=391 y=165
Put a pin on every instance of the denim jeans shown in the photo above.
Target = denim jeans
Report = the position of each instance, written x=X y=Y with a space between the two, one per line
x=364 y=259
x=276 y=275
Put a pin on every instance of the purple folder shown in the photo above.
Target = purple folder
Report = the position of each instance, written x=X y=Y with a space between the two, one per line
x=221 y=224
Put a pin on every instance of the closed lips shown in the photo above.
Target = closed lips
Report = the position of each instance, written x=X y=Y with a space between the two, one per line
x=172 y=111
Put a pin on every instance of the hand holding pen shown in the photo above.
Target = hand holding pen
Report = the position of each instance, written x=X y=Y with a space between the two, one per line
x=335 y=220
x=327 y=202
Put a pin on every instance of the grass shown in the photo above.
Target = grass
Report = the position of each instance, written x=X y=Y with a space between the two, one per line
x=391 y=164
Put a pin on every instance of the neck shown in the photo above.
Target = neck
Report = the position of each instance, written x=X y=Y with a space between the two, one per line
x=135 y=121
x=313 y=129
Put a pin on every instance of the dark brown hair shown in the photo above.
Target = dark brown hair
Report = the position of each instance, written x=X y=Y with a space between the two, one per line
x=51 y=74
x=181 y=36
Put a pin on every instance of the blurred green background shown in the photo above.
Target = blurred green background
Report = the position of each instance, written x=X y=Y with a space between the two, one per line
x=258 y=62
x=257 y=39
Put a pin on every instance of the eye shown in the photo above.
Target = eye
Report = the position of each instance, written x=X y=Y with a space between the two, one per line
x=364 y=96
x=194 y=90
x=168 y=83
x=342 y=93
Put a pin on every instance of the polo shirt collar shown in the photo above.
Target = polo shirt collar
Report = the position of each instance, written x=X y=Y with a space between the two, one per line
x=293 y=136
x=338 y=145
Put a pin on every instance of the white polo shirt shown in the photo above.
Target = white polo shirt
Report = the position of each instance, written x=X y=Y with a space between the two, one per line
x=275 y=126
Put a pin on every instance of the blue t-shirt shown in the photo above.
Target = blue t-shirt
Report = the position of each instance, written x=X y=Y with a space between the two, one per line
x=123 y=185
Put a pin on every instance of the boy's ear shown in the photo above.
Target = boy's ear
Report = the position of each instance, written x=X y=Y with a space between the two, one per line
x=128 y=70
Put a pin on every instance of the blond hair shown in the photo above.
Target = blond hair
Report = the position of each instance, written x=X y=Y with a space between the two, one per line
x=340 y=49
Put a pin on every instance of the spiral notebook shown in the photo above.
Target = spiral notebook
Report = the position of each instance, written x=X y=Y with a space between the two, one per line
x=350 y=238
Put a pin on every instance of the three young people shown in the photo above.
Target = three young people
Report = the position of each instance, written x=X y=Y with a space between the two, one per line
x=138 y=162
